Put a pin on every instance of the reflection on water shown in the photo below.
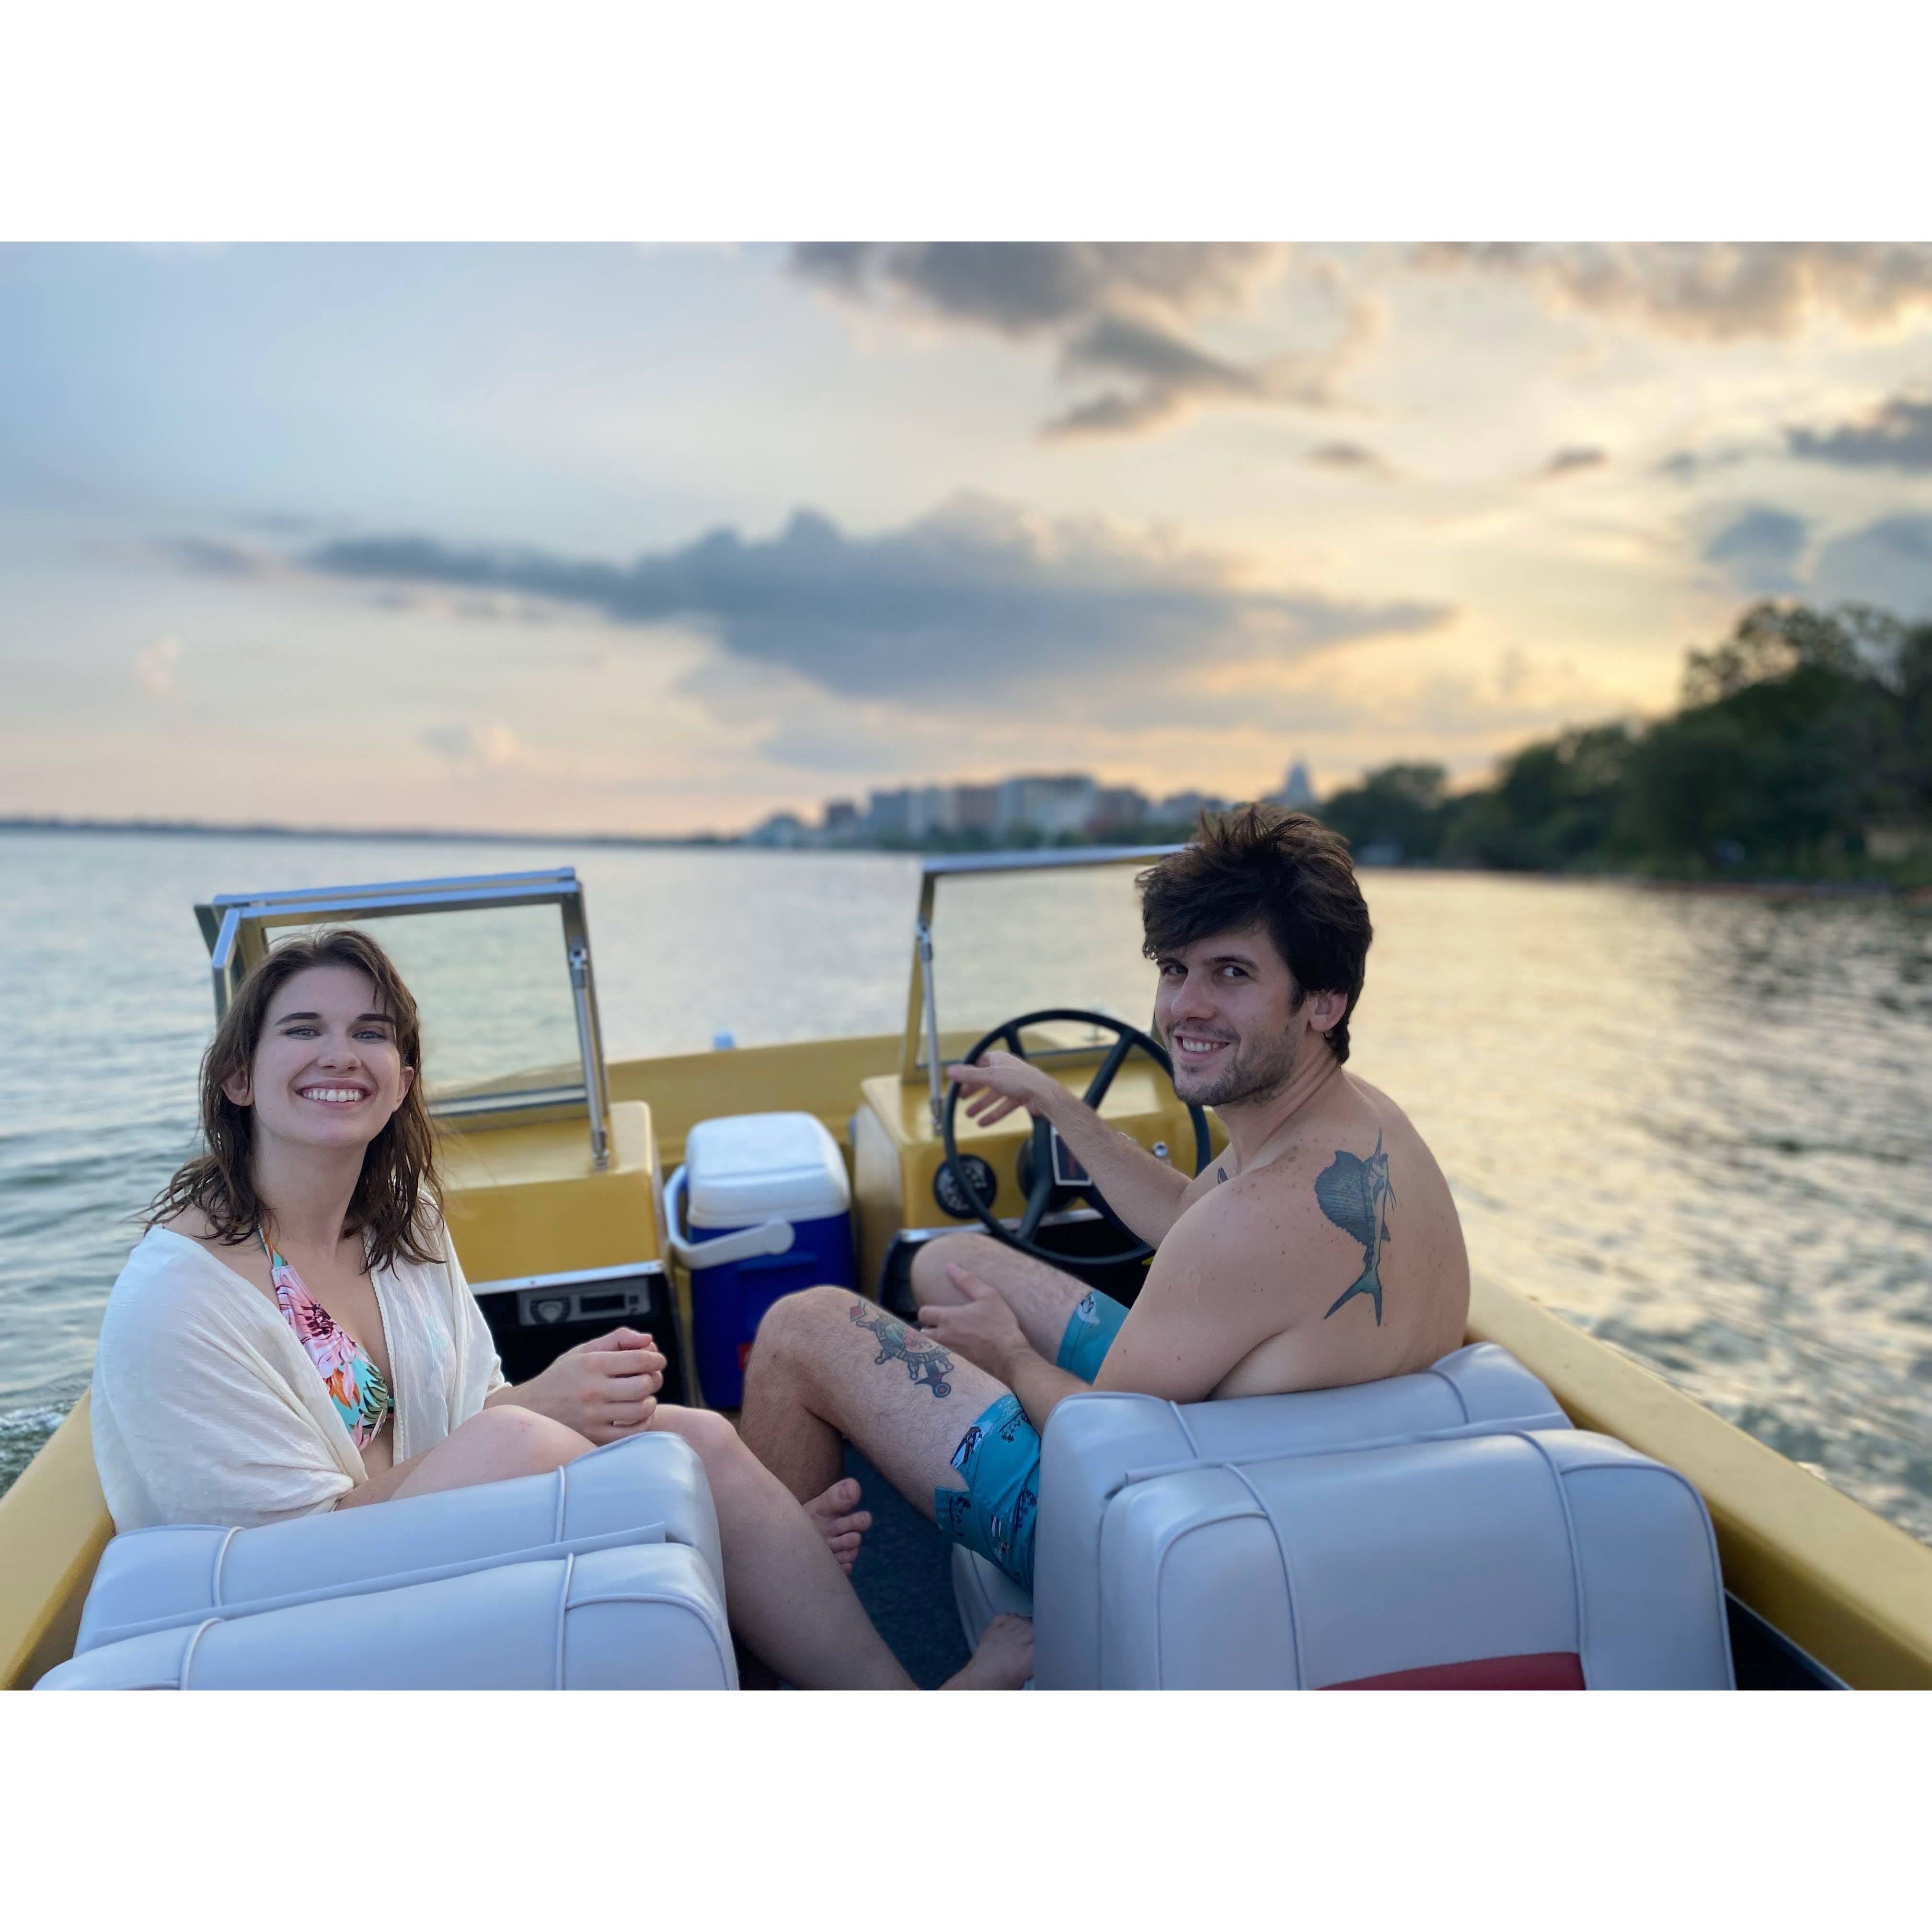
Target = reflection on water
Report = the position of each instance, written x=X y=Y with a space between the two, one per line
x=1696 y=1124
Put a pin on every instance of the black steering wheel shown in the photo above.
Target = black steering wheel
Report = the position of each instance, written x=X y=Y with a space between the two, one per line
x=1049 y=1183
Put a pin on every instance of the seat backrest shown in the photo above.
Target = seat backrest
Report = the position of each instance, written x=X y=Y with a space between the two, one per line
x=1526 y=1559
x=1097 y=1444
x=646 y=1616
x=647 y=1488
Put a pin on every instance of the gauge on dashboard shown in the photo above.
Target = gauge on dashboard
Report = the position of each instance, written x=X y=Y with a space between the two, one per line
x=945 y=1189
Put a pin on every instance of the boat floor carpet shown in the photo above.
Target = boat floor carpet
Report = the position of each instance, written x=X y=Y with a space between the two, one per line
x=903 y=1577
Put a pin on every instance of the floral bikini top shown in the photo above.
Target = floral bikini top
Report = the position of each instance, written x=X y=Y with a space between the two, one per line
x=362 y=1398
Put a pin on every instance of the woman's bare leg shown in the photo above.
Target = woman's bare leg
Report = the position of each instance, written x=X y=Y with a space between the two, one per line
x=493 y=1446
x=789 y=1598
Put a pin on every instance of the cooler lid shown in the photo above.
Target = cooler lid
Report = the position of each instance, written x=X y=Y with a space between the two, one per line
x=744 y=1168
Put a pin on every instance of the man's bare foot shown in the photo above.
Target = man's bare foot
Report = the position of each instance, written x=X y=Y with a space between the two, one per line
x=1003 y=1660
x=836 y=1517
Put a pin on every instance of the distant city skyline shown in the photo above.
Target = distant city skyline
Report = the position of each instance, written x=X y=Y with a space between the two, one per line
x=655 y=540
x=1036 y=805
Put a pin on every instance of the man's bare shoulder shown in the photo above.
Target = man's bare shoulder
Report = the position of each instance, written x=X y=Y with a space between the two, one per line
x=1373 y=1103
x=1264 y=1214
x=1376 y=1098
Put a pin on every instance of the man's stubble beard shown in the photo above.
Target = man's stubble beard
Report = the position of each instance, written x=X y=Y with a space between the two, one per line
x=1249 y=1077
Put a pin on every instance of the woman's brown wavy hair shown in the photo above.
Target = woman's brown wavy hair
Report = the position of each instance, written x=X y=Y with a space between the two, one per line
x=397 y=1202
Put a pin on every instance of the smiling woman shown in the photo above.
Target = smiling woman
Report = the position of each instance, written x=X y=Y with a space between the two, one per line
x=308 y=1226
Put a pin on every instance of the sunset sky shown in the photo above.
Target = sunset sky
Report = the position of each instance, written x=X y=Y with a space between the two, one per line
x=656 y=539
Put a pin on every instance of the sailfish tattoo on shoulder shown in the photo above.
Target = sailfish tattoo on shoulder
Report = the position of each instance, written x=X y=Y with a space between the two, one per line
x=1355 y=1195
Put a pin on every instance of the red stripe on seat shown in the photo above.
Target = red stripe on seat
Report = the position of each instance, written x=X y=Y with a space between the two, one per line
x=1534 y=1670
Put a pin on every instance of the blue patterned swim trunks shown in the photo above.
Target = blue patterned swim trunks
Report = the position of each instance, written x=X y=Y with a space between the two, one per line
x=998 y=1457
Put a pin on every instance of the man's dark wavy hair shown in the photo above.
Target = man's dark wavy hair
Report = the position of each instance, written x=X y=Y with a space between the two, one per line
x=1283 y=870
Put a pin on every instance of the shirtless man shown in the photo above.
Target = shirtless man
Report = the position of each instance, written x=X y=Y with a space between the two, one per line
x=1320 y=1248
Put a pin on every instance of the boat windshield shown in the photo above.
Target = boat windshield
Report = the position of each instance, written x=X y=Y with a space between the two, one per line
x=500 y=966
x=1014 y=933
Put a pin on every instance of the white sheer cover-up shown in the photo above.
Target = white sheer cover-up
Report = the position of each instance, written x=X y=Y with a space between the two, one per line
x=206 y=1409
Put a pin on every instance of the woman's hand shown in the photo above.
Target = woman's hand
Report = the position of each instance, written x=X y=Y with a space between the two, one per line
x=983 y=1328
x=604 y=1390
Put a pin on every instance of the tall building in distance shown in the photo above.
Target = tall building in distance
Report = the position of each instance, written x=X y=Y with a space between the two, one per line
x=1296 y=792
x=1049 y=806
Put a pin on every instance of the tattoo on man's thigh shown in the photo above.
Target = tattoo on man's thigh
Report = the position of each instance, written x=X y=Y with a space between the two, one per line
x=926 y=1362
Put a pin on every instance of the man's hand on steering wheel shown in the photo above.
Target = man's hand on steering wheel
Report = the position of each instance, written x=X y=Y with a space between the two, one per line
x=998 y=1082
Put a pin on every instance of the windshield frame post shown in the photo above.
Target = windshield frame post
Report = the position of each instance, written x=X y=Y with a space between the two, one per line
x=922 y=948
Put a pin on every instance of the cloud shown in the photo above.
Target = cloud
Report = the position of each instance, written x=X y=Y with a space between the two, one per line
x=1714 y=291
x=1170 y=370
x=155 y=665
x=1174 y=376
x=1763 y=551
x=1117 y=309
x=1686 y=466
x=425 y=596
x=1758 y=549
x=1569 y=462
x=222 y=556
x=970 y=603
x=1025 y=288
x=1896 y=435
x=1353 y=458
x=1888 y=563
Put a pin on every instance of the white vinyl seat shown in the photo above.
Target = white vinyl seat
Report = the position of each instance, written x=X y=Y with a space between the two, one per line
x=1448 y=1529
x=1096 y=1444
x=1525 y=1559
x=636 y=1616
x=648 y=1489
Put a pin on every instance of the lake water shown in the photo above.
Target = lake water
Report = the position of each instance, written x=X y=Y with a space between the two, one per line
x=1697 y=1124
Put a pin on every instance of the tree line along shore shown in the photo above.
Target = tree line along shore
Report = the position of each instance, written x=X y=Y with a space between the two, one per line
x=1802 y=750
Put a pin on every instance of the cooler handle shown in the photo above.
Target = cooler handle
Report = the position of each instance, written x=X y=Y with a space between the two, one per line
x=768 y=1238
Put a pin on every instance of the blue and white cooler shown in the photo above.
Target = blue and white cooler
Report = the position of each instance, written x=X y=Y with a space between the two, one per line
x=760 y=1208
